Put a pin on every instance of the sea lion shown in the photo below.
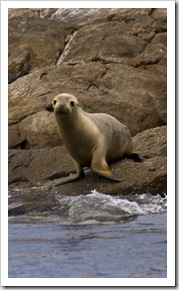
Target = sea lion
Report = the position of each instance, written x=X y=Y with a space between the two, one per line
x=92 y=140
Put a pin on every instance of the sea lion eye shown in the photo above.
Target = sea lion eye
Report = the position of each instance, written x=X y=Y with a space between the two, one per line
x=54 y=102
x=72 y=103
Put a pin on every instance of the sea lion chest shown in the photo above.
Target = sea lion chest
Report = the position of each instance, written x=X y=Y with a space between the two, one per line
x=80 y=136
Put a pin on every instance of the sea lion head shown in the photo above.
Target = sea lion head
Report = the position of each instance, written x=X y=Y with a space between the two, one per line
x=64 y=104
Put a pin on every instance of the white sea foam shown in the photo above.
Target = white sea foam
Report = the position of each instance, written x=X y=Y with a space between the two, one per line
x=141 y=204
x=106 y=208
x=92 y=208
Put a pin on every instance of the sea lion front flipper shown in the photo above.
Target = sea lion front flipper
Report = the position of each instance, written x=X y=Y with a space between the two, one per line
x=72 y=177
x=100 y=166
x=116 y=178
x=109 y=175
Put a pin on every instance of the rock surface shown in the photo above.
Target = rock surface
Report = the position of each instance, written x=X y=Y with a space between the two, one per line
x=38 y=166
x=113 y=61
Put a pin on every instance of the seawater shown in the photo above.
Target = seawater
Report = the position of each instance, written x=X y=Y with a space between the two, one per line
x=91 y=236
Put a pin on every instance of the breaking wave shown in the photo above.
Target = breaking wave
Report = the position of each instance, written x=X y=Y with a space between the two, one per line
x=95 y=207
x=99 y=207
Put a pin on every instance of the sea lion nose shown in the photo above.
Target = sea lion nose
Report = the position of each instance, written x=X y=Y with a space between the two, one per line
x=61 y=106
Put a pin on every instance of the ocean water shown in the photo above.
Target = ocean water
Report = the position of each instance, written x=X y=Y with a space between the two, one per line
x=91 y=236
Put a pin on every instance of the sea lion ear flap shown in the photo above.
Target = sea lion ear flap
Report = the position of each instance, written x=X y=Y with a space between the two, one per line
x=79 y=104
x=49 y=107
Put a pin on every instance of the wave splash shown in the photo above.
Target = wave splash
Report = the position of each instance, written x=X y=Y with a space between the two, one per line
x=98 y=207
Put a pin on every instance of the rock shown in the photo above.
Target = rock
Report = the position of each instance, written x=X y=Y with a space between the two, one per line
x=140 y=104
x=84 y=16
x=18 y=63
x=47 y=164
x=123 y=73
x=33 y=42
x=137 y=97
x=113 y=61
x=29 y=94
x=139 y=178
x=109 y=41
x=37 y=165
x=38 y=130
x=154 y=142
x=15 y=140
